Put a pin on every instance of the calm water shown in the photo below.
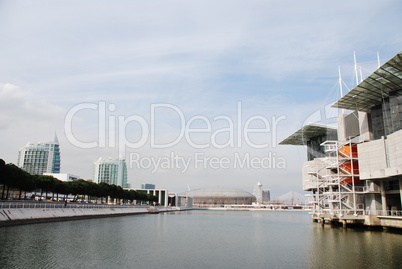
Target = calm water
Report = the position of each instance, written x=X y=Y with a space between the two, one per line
x=198 y=239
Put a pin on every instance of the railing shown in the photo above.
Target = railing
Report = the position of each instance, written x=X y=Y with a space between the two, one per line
x=8 y=205
x=396 y=213
x=358 y=212
x=372 y=188
x=330 y=145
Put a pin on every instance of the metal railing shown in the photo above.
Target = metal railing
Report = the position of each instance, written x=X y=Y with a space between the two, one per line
x=358 y=212
x=9 y=205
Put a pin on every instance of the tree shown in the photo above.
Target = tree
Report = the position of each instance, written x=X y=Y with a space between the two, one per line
x=3 y=177
x=46 y=184
x=61 y=187
x=14 y=177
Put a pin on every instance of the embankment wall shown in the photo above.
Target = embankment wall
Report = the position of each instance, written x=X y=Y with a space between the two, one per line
x=17 y=216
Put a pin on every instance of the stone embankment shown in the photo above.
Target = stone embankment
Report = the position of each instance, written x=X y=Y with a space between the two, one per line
x=16 y=214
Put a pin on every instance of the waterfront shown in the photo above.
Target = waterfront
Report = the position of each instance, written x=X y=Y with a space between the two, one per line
x=198 y=239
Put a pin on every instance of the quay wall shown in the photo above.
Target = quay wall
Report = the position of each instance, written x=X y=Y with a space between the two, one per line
x=17 y=216
x=392 y=222
x=366 y=220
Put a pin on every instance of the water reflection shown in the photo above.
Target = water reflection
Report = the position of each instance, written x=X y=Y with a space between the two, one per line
x=334 y=247
x=198 y=239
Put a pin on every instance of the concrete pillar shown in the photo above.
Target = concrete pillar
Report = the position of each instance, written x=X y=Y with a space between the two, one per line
x=383 y=198
x=344 y=224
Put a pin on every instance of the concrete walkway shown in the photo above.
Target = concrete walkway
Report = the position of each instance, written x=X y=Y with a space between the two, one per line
x=17 y=216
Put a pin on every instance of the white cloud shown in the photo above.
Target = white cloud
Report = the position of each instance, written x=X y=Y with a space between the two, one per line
x=276 y=57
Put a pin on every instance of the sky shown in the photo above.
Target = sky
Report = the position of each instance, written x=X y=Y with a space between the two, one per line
x=193 y=94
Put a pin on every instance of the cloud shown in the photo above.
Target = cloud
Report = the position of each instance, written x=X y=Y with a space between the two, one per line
x=21 y=108
x=24 y=118
x=275 y=57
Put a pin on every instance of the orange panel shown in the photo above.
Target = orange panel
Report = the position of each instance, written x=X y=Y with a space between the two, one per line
x=349 y=180
x=348 y=167
x=350 y=151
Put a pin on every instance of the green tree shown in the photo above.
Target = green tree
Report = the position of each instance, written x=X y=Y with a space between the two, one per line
x=14 y=177
x=3 y=177
x=46 y=184
x=61 y=187
x=105 y=191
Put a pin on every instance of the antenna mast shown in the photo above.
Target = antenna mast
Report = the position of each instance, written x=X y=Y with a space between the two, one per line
x=340 y=81
x=357 y=77
x=378 y=59
x=340 y=85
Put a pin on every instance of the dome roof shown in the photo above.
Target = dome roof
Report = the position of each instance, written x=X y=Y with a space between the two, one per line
x=218 y=192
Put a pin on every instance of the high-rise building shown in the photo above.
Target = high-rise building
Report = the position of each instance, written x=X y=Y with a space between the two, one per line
x=147 y=186
x=111 y=171
x=266 y=196
x=39 y=158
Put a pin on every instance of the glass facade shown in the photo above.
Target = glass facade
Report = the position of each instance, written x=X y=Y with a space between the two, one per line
x=111 y=171
x=40 y=158
x=314 y=148
x=386 y=118
x=147 y=186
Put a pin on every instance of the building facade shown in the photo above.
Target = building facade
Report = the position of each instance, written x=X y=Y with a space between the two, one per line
x=111 y=171
x=147 y=186
x=160 y=193
x=359 y=178
x=266 y=196
x=63 y=177
x=219 y=197
x=40 y=158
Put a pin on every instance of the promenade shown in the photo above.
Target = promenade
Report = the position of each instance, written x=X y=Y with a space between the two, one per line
x=27 y=212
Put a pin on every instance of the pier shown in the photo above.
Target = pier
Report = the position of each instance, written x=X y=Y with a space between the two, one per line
x=386 y=219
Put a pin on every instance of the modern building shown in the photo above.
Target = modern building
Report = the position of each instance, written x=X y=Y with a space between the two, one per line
x=111 y=171
x=161 y=194
x=266 y=196
x=147 y=186
x=63 y=177
x=357 y=177
x=39 y=158
x=218 y=197
x=262 y=196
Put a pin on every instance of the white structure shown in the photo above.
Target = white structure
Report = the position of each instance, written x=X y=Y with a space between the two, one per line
x=258 y=192
x=63 y=177
x=39 y=158
x=354 y=172
x=161 y=194
x=262 y=196
x=111 y=171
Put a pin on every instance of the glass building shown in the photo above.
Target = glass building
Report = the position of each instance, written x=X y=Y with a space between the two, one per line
x=147 y=186
x=111 y=171
x=40 y=158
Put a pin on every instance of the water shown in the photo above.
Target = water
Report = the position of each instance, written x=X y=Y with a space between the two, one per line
x=198 y=239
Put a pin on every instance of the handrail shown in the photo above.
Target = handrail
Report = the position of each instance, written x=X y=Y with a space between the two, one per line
x=358 y=212
x=8 y=205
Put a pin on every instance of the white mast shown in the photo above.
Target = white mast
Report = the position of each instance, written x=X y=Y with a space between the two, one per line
x=378 y=59
x=357 y=77
x=340 y=81
x=340 y=84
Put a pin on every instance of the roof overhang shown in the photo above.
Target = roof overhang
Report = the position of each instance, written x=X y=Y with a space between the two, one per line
x=371 y=91
x=307 y=132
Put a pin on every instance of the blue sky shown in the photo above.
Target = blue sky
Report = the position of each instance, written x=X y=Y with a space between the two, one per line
x=277 y=58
